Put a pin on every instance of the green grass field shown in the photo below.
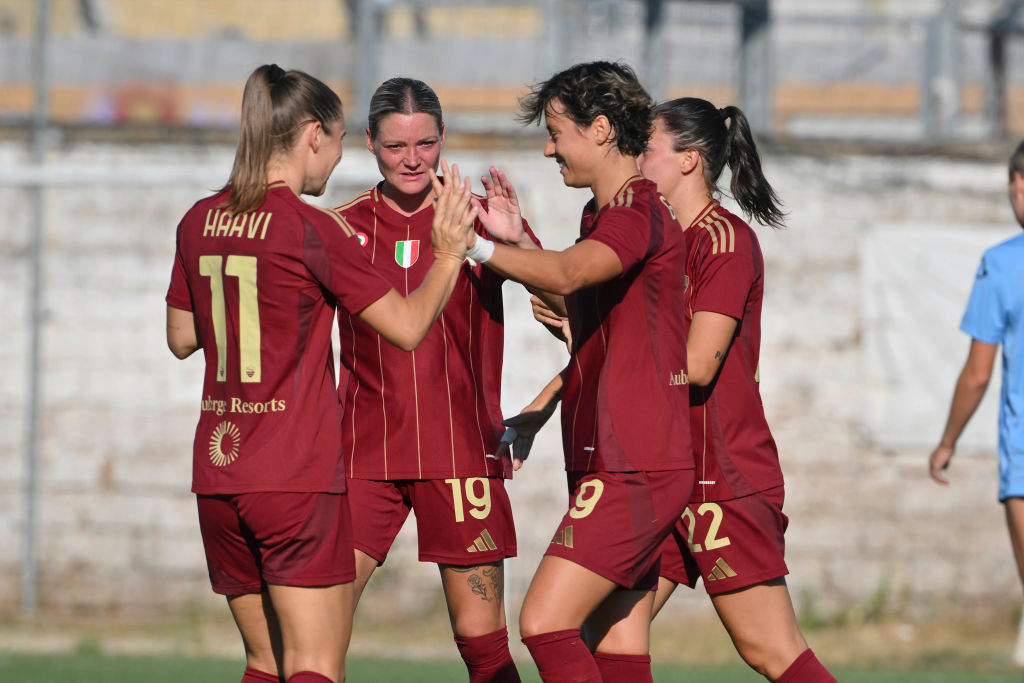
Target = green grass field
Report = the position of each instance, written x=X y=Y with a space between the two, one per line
x=97 y=668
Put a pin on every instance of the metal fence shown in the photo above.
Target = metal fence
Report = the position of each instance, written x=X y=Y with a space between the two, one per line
x=922 y=70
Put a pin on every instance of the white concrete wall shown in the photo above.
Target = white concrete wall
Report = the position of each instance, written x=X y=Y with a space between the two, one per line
x=118 y=528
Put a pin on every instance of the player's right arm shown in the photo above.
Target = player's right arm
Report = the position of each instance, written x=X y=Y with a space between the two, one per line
x=970 y=389
x=181 y=332
x=404 y=321
x=706 y=345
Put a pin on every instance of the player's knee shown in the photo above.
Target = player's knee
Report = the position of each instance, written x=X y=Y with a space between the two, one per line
x=768 y=657
x=532 y=623
x=479 y=622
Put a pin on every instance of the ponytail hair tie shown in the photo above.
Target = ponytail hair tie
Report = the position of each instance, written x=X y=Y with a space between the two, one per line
x=274 y=74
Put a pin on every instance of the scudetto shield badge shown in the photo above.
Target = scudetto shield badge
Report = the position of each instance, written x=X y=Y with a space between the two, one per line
x=406 y=252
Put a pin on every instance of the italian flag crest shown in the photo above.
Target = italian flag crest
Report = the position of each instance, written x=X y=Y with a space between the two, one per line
x=406 y=252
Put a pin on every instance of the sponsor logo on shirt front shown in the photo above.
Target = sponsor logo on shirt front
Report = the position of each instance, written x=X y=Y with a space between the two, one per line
x=407 y=252
x=677 y=379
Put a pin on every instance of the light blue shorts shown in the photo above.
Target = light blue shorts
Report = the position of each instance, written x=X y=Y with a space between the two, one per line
x=1011 y=473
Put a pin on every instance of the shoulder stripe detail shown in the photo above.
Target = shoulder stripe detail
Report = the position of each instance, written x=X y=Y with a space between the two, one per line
x=338 y=218
x=723 y=237
x=624 y=197
x=704 y=214
x=728 y=235
x=366 y=194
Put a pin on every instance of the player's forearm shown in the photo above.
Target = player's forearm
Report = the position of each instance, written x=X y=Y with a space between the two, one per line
x=966 y=399
x=540 y=269
x=552 y=392
x=404 y=321
x=430 y=298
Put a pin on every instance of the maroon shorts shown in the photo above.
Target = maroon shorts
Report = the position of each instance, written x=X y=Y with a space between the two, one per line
x=284 y=539
x=731 y=544
x=464 y=522
x=617 y=522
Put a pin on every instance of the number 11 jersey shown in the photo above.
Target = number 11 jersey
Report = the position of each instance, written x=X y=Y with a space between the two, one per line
x=262 y=286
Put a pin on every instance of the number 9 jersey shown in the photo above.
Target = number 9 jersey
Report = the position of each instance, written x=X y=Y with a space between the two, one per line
x=262 y=287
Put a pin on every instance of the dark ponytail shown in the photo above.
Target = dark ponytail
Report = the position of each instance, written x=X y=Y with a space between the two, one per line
x=697 y=124
x=276 y=104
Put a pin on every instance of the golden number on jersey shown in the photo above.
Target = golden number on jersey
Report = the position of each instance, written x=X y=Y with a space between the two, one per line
x=586 y=499
x=480 y=504
x=243 y=268
x=711 y=540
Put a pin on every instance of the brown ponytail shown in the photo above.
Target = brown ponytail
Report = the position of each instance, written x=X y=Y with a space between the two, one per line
x=275 y=105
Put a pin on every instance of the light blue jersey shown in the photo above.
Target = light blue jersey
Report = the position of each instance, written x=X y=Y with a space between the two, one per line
x=995 y=315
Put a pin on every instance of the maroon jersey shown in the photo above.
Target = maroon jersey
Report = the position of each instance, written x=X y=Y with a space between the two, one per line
x=434 y=412
x=624 y=390
x=261 y=286
x=733 y=447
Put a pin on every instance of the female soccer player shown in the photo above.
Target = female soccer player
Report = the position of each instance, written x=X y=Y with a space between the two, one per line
x=731 y=533
x=256 y=277
x=421 y=428
x=993 y=318
x=624 y=428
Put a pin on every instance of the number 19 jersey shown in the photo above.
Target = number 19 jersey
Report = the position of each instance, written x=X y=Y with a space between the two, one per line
x=262 y=287
x=434 y=412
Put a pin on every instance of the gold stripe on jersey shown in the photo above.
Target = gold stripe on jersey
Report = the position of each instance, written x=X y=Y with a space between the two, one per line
x=624 y=197
x=728 y=235
x=448 y=392
x=723 y=237
x=703 y=214
x=339 y=219
x=714 y=236
x=366 y=194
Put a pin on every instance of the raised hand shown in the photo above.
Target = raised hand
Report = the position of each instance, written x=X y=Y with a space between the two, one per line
x=502 y=218
x=454 y=214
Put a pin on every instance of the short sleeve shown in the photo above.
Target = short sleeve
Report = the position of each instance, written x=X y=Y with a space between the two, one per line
x=984 y=318
x=723 y=280
x=627 y=232
x=178 y=293
x=338 y=261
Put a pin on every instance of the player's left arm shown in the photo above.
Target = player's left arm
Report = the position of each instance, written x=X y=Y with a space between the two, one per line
x=707 y=344
x=502 y=218
x=181 y=332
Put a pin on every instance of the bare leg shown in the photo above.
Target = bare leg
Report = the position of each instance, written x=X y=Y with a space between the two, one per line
x=313 y=623
x=365 y=565
x=1015 y=523
x=476 y=598
x=561 y=596
x=665 y=589
x=621 y=624
x=1014 y=508
x=763 y=626
x=260 y=632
